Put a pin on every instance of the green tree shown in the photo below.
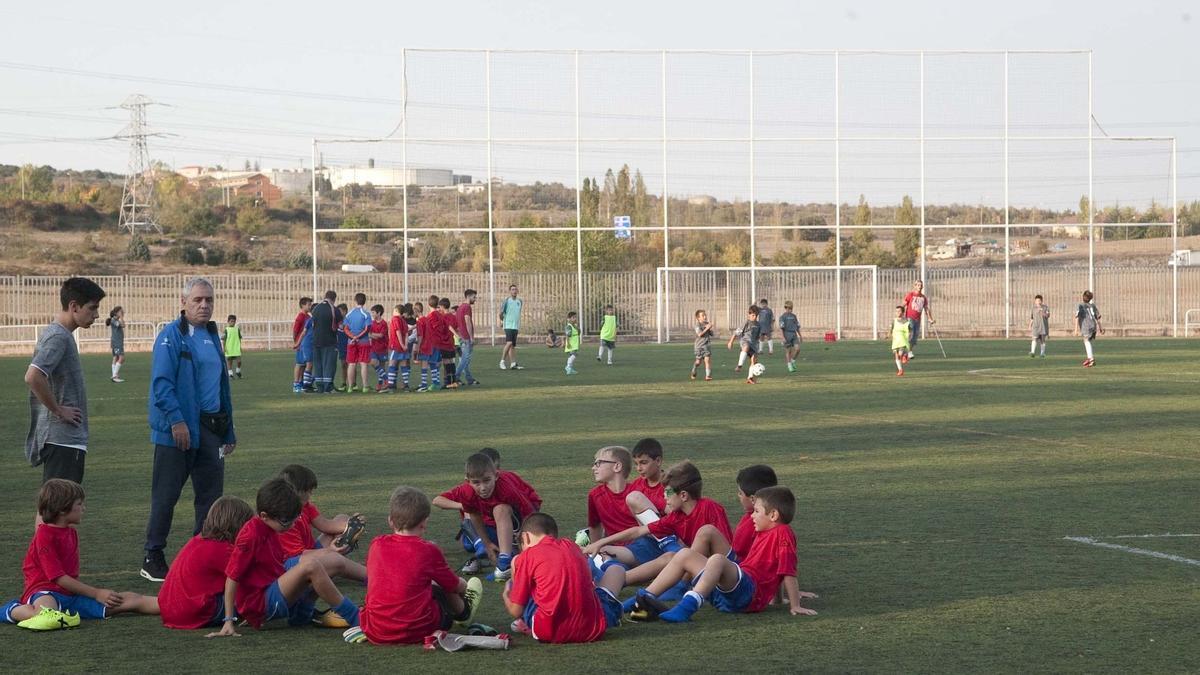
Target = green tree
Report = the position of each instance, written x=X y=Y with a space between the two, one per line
x=862 y=213
x=137 y=250
x=907 y=244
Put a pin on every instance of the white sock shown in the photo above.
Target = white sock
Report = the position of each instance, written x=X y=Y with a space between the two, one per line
x=1043 y=348
x=771 y=346
x=571 y=360
x=1033 y=346
x=899 y=367
x=646 y=517
x=741 y=359
x=115 y=369
x=239 y=370
x=697 y=597
x=231 y=373
x=600 y=354
x=1087 y=344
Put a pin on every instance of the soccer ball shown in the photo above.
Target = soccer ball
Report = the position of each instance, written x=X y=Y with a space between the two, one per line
x=757 y=370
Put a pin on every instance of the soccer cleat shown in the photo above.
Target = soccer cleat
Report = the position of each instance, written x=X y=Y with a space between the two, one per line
x=610 y=363
x=452 y=385
x=583 y=538
x=154 y=566
x=422 y=389
x=516 y=366
x=572 y=371
x=296 y=389
x=899 y=373
x=348 y=539
x=503 y=365
x=500 y=575
x=597 y=358
x=1043 y=355
x=646 y=608
x=50 y=619
x=474 y=383
x=911 y=356
x=791 y=367
x=239 y=374
x=1032 y=355
x=1089 y=363
x=904 y=358
x=354 y=635
x=693 y=375
x=682 y=611
x=329 y=619
x=472 y=566
x=708 y=378
x=118 y=380
x=473 y=598
x=738 y=369
x=519 y=626
x=750 y=380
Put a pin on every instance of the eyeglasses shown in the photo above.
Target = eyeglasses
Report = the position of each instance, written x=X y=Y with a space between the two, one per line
x=602 y=461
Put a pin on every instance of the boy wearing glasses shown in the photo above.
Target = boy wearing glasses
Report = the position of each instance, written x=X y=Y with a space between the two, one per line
x=608 y=512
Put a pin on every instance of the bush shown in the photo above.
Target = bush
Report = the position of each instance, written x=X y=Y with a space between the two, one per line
x=238 y=256
x=251 y=220
x=299 y=260
x=214 y=255
x=137 y=250
x=186 y=252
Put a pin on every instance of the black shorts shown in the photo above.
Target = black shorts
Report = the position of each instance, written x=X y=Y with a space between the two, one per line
x=59 y=461
x=510 y=335
x=610 y=344
x=447 y=354
x=443 y=603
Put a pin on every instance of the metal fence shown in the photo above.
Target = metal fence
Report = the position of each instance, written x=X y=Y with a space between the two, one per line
x=968 y=302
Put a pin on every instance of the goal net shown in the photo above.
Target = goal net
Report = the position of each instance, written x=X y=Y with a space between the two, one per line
x=843 y=300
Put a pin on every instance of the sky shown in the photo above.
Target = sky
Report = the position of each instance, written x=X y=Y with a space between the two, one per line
x=257 y=81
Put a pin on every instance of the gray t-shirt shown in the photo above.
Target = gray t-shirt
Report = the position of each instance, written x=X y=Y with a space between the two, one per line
x=117 y=334
x=766 y=319
x=1087 y=313
x=1041 y=320
x=703 y=337
x=789 y=324
x=749 y=333
x=57 y=357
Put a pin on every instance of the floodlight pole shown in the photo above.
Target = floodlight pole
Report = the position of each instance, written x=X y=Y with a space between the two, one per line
x=1174 y=243
x=1091 y=184
x=666 y=210
x=837 y=189
x=404 y=158
x=1007 y=225
x=578 y=205
x=922 y=143
x=753 y=264
x=314 y=218
x=490 y=225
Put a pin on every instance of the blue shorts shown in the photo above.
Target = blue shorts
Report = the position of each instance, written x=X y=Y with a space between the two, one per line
x=304 y=356
x=299 y=613
x=736 y=599
x=341 y=351
x=431 y=359
x=395 y=355
x=644 y=549
x=470 y=536
x=381 y=357
x=85 y=607
x=608 y=602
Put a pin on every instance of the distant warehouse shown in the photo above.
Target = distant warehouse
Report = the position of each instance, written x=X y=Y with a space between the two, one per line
x=384 y=177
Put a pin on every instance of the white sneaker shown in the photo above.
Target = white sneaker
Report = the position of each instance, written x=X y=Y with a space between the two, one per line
x=117 y=380
x=503 y=366
x=517 y=366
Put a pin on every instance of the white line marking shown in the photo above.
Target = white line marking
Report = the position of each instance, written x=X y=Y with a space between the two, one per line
x=1137 y=551
x=1164 y=535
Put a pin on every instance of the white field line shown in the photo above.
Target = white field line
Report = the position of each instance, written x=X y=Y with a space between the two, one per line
x=1164 y=535
x=989 y=372
x=1136 y=551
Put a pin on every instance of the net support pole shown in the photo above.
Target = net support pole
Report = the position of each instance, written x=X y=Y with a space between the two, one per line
x=666 y=228
x=490 y=207
x=1091 y=182
x=1174 y=243
x=875 y=302
x=837 y=190
x=404 y=158
x=924 y=283
x=578 y=208
x=313 y=188
x=1007 y=215
x=753 y=252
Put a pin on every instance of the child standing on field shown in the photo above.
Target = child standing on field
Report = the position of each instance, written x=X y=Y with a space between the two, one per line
x=901 y=329
x=748 y=337
x=571 y=342
x=116 y=326
x=790 y=326
x=378 y=332
x=233 y=346
x=1087 y=324
x=702 y=348
x=608 y=333
x=1039 y=326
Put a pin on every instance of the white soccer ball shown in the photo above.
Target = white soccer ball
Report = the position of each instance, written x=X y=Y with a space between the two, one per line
x=757 y=370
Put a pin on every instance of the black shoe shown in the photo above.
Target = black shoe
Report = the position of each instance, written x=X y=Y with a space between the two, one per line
x=154 y=566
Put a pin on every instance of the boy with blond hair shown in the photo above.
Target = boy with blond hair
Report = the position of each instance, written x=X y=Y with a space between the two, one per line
x=191 y=594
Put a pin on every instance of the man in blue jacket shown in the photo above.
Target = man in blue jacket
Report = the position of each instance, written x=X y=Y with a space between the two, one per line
x=191 y=419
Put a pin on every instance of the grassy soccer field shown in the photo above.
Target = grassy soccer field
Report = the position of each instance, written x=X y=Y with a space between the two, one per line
x=932 y=509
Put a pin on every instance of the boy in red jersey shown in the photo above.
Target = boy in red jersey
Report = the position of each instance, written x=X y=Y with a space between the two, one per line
x=191 y=594
x=378 y=332
x=746 y=587
x=749 y=481
x=552 y=589
x=53 y=596
x=298 y=541
x=468 y=536
x=255 y=580
x=397 y=349
x=495 y=503
x=302 y=378
x=447 y=332
x=413 y=592
x=429 y=353
x=608 y=513
x=647 y=461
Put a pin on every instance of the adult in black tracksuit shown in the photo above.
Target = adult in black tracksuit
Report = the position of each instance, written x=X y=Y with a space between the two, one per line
x=325 y=319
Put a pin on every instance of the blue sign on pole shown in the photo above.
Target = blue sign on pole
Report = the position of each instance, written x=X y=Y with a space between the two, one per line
x=621 y=225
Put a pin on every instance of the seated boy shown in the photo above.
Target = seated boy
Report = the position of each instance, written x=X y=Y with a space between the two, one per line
x=467 y=534
x=413 y=591
x=552 y=589
x=256 y=583
x=191 y=595
x=53 y=596
x=749 y=481
x=495 y=504
x=647 y=461
x=748 y=586
x=609 y=513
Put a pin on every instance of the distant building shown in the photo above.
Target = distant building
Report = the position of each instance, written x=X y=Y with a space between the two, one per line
x=291 y=181
x=388 y=178
x=259 y=188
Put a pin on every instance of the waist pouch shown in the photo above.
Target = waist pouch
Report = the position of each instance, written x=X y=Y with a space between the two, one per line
x=218 y=423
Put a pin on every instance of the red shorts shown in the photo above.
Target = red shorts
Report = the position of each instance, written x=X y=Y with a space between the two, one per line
x=358 y=353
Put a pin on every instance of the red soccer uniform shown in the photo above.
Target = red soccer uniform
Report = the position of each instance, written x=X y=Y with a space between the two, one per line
x=397 y=334
x=425 y=335
x=444 y=339
x=53 y=553
x=298 y=326
x=299 y=537
x=400 y=607
x=743 y=536
x=554 y=574
x=507 y=491
x=685 y=525
x=192 y=592
x=464 y=331
x=523 y=487
x=913 y=304
x=379 y=345
x=657 y=494
x=256 y=562
x=608 y=510
x=772 y=557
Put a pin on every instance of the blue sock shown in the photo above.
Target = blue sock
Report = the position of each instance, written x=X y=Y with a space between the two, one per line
x=308 y=379
x=684 y=610
x=405 y=372
x=6 y=612
x=480 y=549
x=391 y=376
x=380 y=373
x=627 y=605
x=424 y=377
x=503 y=560
x=348 y=611
x=435 y=374
x=675 y=592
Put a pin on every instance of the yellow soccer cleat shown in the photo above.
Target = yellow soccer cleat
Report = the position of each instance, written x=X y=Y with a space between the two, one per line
x=473 y=599
x=51 y=619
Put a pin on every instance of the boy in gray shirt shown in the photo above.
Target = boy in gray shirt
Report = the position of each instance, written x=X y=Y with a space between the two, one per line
x=702 y=346
x=766 y=323
x=1087 y=324
x=1039 y=326
x=58 y=422
x=747 y=337
x=790 y=325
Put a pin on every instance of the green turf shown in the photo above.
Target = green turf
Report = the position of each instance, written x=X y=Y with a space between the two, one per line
x=932 y=508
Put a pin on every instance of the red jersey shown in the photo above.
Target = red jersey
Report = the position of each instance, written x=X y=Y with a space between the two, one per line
x=555 y=575
x=743 y=536
x=772 y=557
x=299 y=537
x=256 y=562
x=608 y=510
x=685 y=525
x=465 y=332
x=443 y=338
x=298 y=326
x=397 y=334
x=399 y=606
x=53 y=553
x=523 y=487
x=914 y=303
x=425 y=335
x=657 y=494
x=195 y=585
x=379 y=345
x=507 y=491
